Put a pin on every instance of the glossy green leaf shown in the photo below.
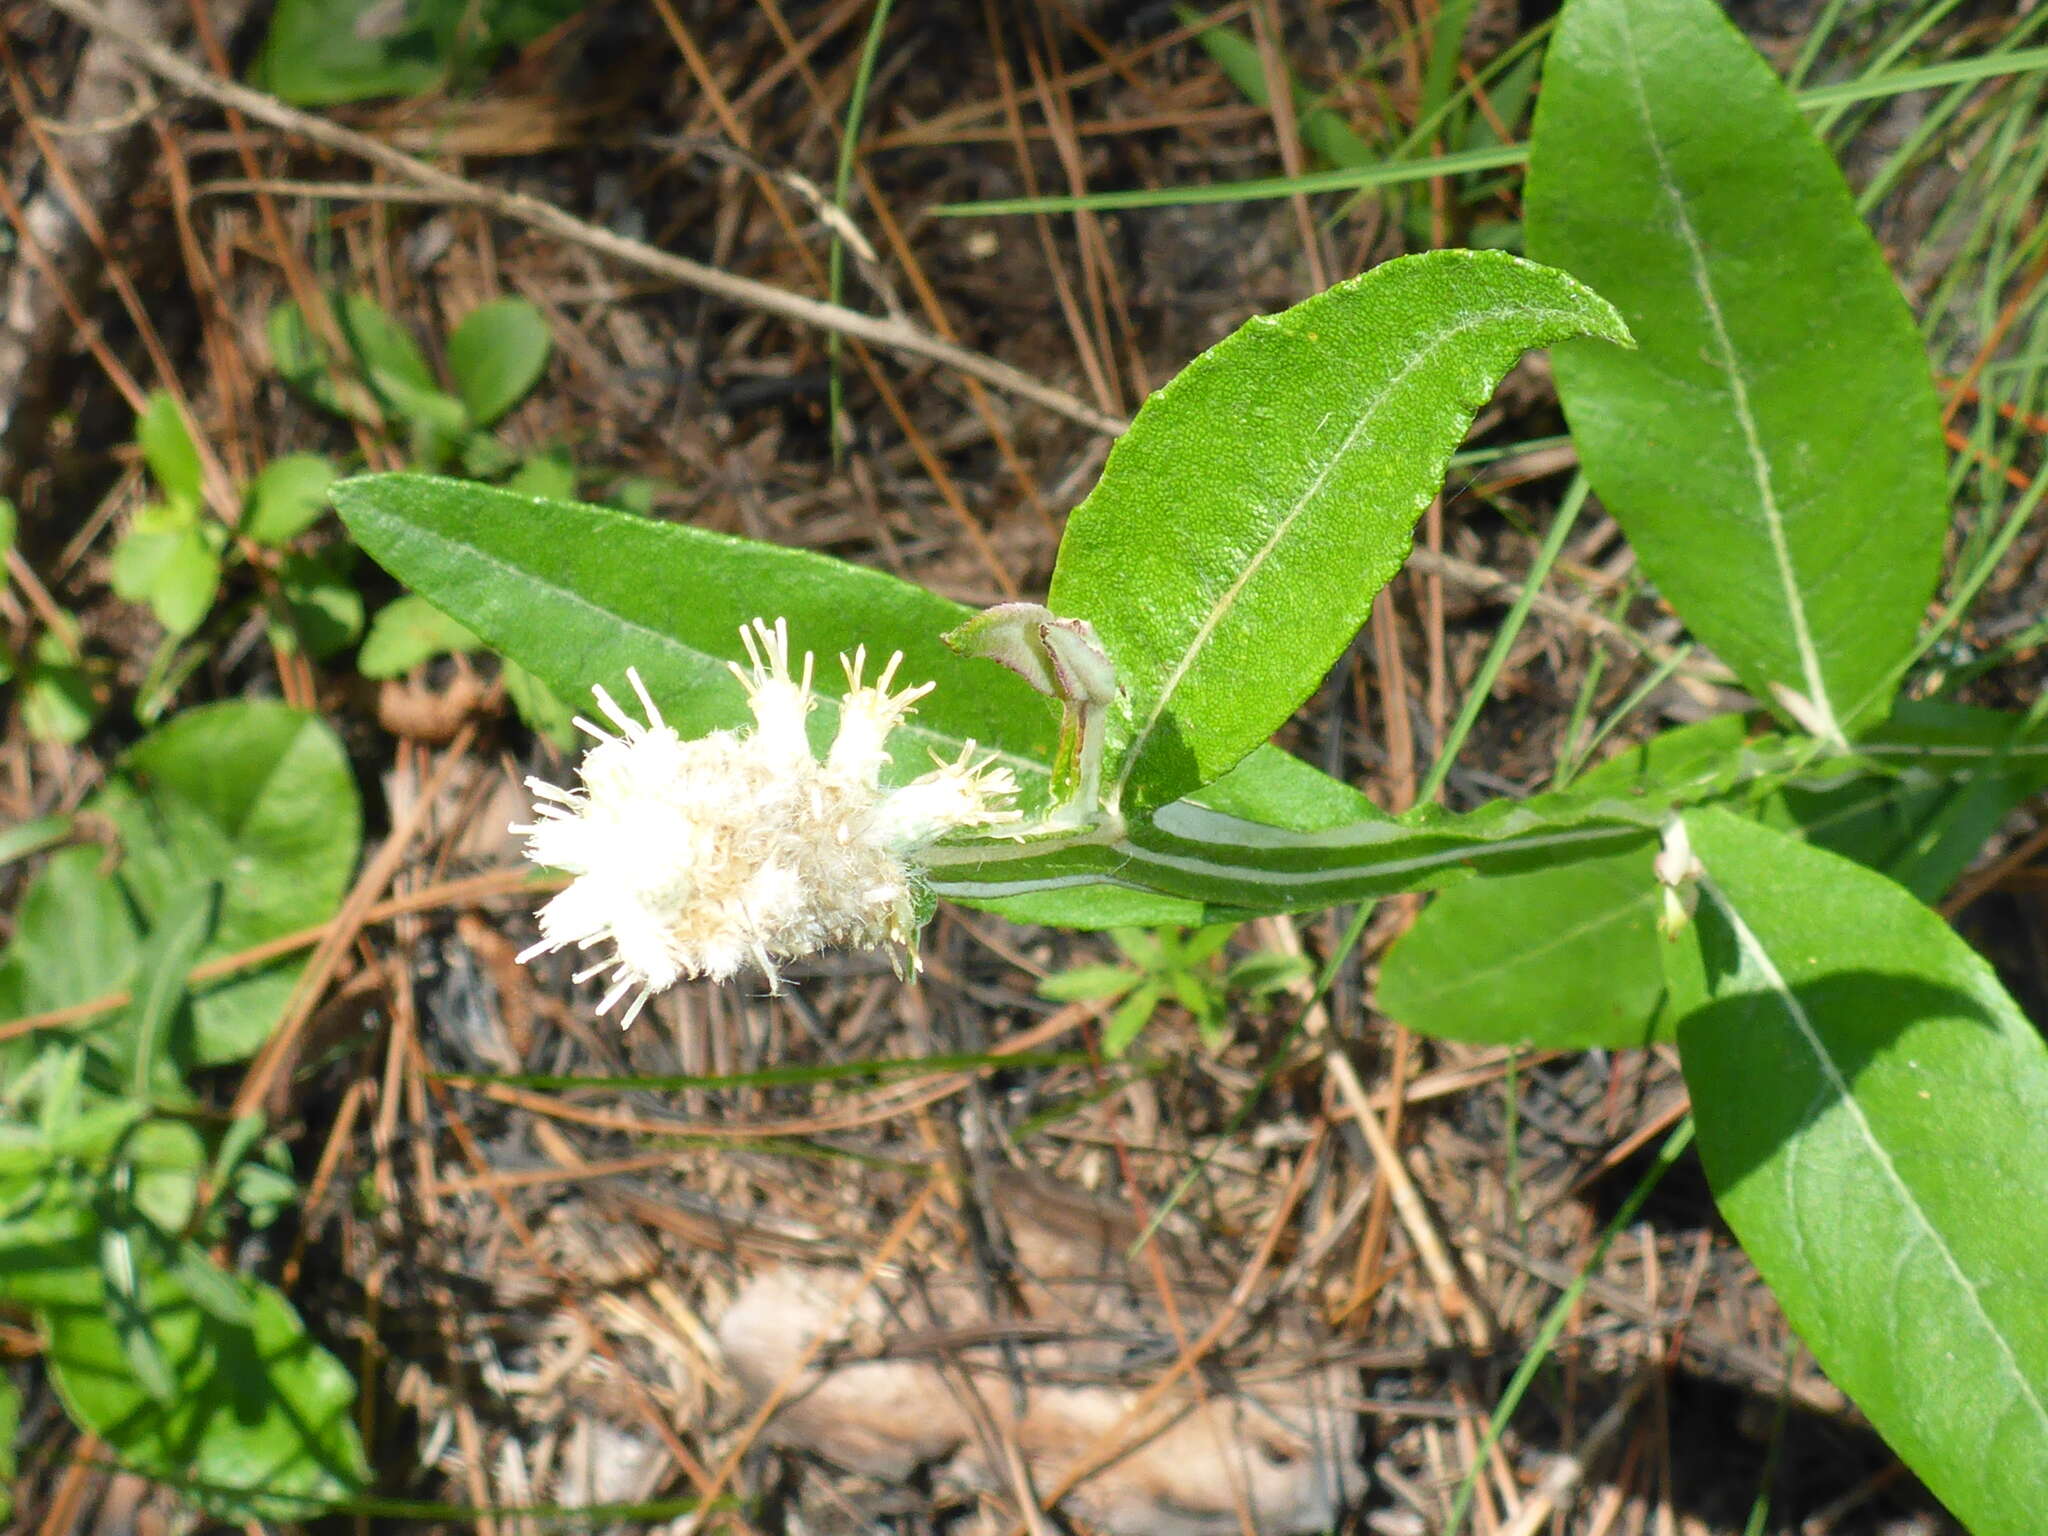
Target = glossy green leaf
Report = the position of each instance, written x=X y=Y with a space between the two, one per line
x=260 y=1419
x=1258 y=502
x=495 y=355
x=168 y=448
x=1873 y=1117
x=287 y=497
x=407 y=631
x=259 y=798
x=1773 y=447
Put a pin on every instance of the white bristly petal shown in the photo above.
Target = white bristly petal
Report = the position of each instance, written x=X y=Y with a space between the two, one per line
x=740 y=849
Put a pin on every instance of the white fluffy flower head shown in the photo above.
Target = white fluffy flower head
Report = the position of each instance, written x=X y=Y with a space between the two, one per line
x=699 y=858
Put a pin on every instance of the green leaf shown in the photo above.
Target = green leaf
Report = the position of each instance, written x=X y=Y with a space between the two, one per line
x=1773 y=447
x=1873 y=1117
x=1089 y=983
x=259 y=1422
x=381 y=369
x=550 y=476
x=496 y=354
x=74 y=939
x=576 y=594
x=57 y=702
x=319 y=52
x=170 y=559
x=407 y=631
x=540 y=706
x=10 y=1424
x=168 y=1157
x=168 y=448
x=1130 y=1018
x=260 y=798
x=287 y=497
x=326 y=609
x=1258 y=502
x=10 y=521
x=1569 y=957
x=161 y=964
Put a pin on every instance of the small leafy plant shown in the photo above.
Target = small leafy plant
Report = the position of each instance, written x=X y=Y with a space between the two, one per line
x=1747 y=395
x=1169 y=965
x=230 y=827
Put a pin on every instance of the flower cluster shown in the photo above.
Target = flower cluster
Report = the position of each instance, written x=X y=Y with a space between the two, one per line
x=698 y=858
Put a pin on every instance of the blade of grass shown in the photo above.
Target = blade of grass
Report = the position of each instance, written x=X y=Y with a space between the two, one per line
x=1510 y=630
x=1560 y=1313
x=1388 y=173
x=842 y=182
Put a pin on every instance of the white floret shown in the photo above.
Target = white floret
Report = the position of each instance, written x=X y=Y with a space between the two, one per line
x=701 y=858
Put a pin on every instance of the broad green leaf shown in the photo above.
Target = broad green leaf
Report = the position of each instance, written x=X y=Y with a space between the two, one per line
x=407 y=631
x=1569 y=957
x=496 y=354
x=577 y=594
x=260 y=1421
x=1563 y=958
x=1260 y=500
x=168 y=448
x=1773 y=446
x=1873 y=1117
x=286 y=498
x=168 y=1158
x=260 y=798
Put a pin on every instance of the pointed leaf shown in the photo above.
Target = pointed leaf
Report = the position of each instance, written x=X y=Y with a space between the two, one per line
x=496 y=355
x=1259 y=501
x=1773 y=447
x=168 y=448
x=1873 y=1117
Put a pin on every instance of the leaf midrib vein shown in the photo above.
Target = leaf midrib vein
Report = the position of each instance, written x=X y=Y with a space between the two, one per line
x=1227 y=599
x=1760 y=467
x=1754 y=950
